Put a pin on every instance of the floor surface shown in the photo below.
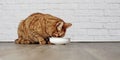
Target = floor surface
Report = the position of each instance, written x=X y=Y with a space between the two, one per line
x=72 y=51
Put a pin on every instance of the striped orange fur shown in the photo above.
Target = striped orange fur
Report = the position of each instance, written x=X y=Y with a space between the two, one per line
x=39 y=27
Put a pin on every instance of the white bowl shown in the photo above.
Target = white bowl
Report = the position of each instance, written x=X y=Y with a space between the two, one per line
x=59 y=40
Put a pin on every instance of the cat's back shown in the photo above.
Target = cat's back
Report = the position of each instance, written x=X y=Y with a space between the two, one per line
x=36 y=14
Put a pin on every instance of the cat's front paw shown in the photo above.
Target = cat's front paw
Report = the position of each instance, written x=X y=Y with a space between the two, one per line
x=42 y=42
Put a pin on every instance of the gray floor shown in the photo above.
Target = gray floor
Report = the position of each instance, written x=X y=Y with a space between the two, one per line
x=72 y=51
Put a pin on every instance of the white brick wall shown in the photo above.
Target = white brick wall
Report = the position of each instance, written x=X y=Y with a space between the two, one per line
x=93 y=20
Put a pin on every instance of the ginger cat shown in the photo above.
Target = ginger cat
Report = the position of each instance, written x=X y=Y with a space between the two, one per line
x=39 y=27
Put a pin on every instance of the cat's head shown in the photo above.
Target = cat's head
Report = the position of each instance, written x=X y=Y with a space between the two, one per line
x=55 y=26
x=60 y=29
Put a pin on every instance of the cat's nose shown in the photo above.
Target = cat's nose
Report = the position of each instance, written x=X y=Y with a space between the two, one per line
x=59 y=36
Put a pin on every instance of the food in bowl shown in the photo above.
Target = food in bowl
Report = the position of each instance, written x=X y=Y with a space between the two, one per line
x=59 y=40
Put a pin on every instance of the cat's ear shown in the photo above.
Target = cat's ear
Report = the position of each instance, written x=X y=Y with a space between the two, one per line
x=59 y=25
x=67 y=25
